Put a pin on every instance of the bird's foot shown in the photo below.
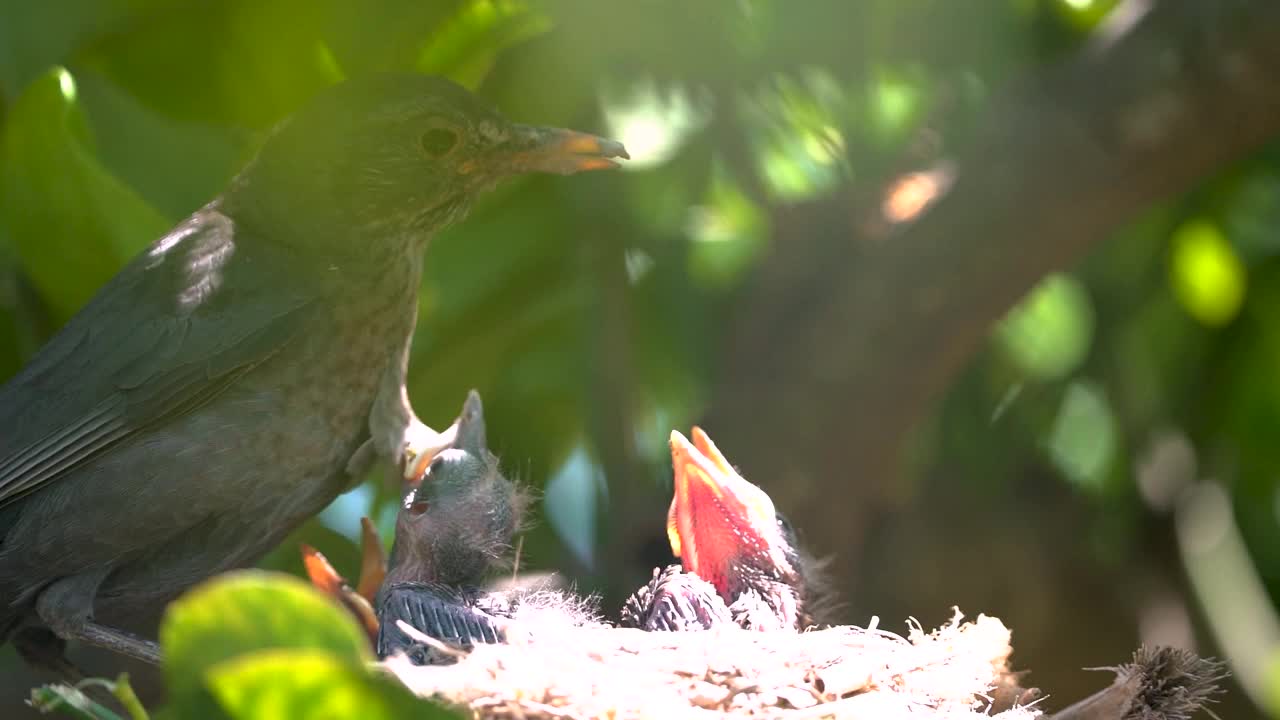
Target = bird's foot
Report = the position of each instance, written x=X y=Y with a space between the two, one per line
x=66 y=607
x=43 y=650
x=113 y=639
x=120 y=641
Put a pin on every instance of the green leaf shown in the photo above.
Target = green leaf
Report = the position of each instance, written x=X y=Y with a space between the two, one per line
x=175 y=166
x=243 y=62
x=123 y=690
x=72 y=223
x=386 y=35
x=311 y=685
x=36 y=35
x=245 y=611
x=69 y=701
x=466 y=46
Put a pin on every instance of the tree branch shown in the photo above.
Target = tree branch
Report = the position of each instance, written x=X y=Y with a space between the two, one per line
x=875 y=326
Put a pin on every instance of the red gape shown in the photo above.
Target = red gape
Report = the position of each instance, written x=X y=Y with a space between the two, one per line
x=718 y=521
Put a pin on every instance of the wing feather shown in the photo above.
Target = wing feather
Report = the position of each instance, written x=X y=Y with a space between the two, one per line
x=143 y=351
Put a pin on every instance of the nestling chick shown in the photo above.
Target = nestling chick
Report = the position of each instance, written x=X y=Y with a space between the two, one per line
x=739 y=560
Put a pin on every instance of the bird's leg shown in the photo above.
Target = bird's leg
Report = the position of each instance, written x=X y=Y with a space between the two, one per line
x=120 y=641
x=66 y=606
x=40 y=648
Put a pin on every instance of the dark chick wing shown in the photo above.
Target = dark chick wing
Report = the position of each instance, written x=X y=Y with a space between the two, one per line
x=675 y=601
x=439 y=613
x=165 y=335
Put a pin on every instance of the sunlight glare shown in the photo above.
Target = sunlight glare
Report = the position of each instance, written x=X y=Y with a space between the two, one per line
x=652 y=124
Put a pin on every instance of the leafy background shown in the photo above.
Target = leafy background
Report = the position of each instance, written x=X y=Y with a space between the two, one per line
x=1098 y=470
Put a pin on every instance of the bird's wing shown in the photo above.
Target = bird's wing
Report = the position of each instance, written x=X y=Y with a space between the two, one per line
x=675 y=601
x=172 y=330
x=434 y=611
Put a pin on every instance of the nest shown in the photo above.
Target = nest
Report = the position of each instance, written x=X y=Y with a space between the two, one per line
x=958 y=671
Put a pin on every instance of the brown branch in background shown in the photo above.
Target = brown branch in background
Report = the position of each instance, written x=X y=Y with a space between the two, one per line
x=611 y=398
x=848 y=334
x=1160 y=684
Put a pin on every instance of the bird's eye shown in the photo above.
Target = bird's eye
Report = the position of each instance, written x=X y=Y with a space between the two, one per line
x=435 y=466
x=418 y=507
x=437 y=142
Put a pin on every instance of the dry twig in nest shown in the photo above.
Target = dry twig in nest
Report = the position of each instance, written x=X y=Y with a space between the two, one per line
x=1160 y=684
x=846 y=672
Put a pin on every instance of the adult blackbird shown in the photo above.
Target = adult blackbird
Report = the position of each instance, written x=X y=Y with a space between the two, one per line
x=242 y=371
x=739 y=560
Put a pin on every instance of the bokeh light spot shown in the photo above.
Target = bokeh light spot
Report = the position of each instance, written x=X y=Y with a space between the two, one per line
x=910 y=194
x=1207 y=276
x=67 y=85
x=1047 y=335
x=795 y=122
x=344 y=513
x=652 y=124
x=895 y=103
x=1083 y=438
x=572 y=496
x=728 y=231
x=1083 y=14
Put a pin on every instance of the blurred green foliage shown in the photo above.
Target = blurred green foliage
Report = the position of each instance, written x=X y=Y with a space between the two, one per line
x=569 y=302
x=73 y=701
x=258 y=646
x=219 y=621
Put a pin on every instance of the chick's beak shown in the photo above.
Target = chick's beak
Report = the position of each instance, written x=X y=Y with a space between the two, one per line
x=565 y=152
x=328 y=581
x=719 y=520
x=706 y=522
x=373 y=561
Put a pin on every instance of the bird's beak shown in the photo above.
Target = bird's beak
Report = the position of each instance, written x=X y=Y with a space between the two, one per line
x=466 y=432
x=327 y=580
x=415 y=466
x=716 y=515
x=373 y=561
x=323 y=575
x=555 y=150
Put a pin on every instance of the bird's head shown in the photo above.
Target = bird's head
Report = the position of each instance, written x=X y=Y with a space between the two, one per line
x=724 y=528
x=459 y=519
x=398 y=155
